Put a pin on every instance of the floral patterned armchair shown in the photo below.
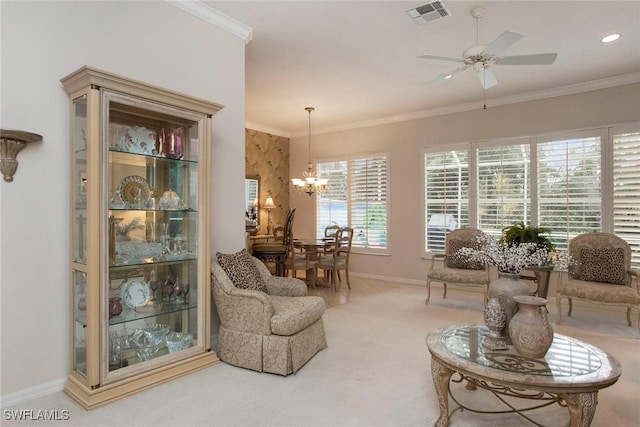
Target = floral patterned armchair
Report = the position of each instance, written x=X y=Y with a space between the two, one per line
x=276 y=331
x=599 y=273
x=457 y=269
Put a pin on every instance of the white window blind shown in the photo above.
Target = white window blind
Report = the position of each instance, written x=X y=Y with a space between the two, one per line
x=503 y=187
x=332 y=204
x=446 y=184
x=569 y=190
x=357 y=196
x=626 y=190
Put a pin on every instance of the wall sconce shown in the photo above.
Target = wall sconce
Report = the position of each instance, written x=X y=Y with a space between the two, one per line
x=12 y=141
x=268 y=205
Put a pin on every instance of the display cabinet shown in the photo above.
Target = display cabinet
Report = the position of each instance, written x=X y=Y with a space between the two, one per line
x=140 y=227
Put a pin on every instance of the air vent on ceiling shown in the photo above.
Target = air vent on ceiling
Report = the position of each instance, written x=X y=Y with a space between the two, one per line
x=428 y=12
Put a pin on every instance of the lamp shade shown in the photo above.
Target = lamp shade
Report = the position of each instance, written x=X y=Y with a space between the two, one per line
x=268 y=204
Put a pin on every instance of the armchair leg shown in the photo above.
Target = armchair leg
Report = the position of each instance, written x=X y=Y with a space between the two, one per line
x=558 y=308
x=570 y=306
x=346 y=274
x=444 y=295
x=428 y=291
x=629 y=316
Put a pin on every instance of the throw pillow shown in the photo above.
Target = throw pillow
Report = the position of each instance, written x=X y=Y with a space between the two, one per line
x=242 y=271
x=602 y=265
x=456 y=260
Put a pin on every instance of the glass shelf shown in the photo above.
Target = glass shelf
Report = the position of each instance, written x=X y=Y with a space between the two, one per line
x=116 y=153
x=163 y=260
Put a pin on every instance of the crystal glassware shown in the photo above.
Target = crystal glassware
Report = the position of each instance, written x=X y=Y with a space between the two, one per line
x=177 y=341
x=148 y=341
x=185 y=292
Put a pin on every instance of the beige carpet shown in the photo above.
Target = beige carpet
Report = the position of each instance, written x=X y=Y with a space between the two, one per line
x=375 y=372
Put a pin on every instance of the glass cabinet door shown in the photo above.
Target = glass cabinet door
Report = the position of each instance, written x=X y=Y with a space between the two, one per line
x=152 y=230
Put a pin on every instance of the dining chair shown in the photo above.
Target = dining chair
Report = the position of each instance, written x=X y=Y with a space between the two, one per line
x=277 y=251
x=301 y=261
x=330 y=233
x=338 y=259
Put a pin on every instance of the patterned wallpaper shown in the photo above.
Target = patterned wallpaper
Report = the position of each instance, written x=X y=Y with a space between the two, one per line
x=267 y=156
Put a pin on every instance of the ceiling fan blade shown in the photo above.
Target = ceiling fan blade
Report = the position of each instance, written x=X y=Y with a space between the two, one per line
x=505 y=40
x=447 y=76
x=487 y=78
x=537 y=59
x=441 y=58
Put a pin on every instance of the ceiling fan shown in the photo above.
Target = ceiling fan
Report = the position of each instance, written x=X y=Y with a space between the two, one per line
x=481 y=57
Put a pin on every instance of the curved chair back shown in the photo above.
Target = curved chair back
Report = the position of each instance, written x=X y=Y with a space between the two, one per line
x=611 y=252
x=458 y=239
x=288 y=228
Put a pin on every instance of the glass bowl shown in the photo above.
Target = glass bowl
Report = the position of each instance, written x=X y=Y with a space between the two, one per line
x=148 y=341
x=177 y=341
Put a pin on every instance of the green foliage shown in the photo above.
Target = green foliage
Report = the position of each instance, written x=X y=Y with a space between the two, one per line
x=521 y=233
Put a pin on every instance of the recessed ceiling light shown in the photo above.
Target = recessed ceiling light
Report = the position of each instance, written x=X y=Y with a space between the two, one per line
x=448 y=76
x=610 y=38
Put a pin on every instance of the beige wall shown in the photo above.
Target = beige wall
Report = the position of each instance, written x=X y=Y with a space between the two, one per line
x=42 y=42
x=267 y=156
x=404 y=140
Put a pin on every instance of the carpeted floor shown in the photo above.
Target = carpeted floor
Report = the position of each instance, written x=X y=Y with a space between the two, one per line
x=375 y=372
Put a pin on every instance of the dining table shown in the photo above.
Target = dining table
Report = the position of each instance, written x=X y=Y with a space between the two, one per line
x=313 y=247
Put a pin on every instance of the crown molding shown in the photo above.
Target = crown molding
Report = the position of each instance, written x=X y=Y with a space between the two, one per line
x=215 y=18
x=265 y=129
x=494 y=102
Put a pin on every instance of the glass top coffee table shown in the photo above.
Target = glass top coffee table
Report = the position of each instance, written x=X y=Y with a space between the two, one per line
x=571 y=373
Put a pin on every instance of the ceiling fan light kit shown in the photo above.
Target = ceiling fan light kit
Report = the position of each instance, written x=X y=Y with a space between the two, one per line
x=481 y=57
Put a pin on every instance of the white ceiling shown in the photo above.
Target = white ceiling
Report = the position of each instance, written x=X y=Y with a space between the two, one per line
x=357 y=62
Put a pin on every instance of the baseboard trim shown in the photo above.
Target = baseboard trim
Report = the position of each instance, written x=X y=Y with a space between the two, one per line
x=31 y=393
x=389 y=278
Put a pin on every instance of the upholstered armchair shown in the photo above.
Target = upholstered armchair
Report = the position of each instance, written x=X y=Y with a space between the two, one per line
x=276 y=331
x=457 y=269
x=600 y=273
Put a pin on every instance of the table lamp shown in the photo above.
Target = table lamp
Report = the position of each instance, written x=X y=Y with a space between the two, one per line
x=268 y=205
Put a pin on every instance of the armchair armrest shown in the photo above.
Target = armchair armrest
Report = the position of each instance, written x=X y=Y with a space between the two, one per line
x=634 y=273
x=240 y=309
x=246 y=311
x=286 y=286
x=437 y=256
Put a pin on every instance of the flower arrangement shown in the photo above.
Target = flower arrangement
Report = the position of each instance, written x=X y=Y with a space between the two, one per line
x=251 y=215
x=561 y=260
x=509 y=258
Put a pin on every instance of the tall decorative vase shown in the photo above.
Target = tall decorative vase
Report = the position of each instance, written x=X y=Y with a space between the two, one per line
x=529 y=329
x=504 y=289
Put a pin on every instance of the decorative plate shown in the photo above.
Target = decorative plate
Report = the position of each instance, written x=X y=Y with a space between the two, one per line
x=135 y=293
x=139 y=140
x=133 y=186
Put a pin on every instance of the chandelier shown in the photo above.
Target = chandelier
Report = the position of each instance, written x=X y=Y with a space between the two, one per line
x=310 y=182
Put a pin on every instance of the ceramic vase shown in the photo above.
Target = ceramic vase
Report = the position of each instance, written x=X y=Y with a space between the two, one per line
x=115 y=307
x=529 y=329
x=504 y=289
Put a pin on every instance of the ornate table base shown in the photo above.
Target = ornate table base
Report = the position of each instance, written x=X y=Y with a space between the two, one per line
x=570 y=374
x=582 y=406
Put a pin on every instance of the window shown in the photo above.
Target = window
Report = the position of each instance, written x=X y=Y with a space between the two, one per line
x=626 y=190
x=446 y=183
x=357 y=196
x=572 y=184
x=569 y=190
x=504 y=197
